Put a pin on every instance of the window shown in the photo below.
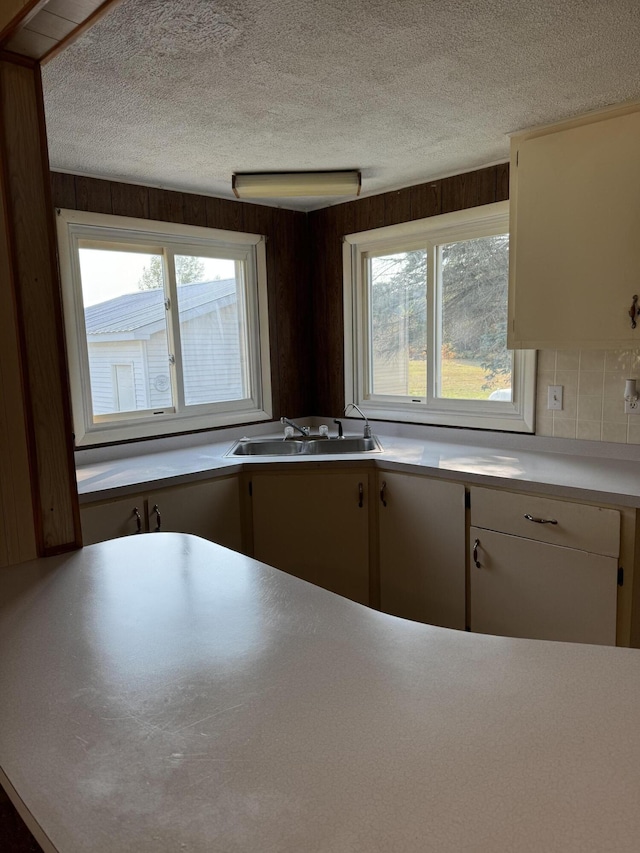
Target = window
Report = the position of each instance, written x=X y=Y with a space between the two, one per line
x=426 y=323
x=166 y=326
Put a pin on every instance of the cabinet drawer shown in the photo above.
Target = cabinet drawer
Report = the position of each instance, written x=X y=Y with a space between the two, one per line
x=580 y=526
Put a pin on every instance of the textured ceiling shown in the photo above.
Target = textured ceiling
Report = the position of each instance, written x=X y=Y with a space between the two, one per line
x=182 y=93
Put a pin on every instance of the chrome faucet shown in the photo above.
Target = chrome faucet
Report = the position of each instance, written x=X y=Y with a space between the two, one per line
x=305 y=430
x=367 y=426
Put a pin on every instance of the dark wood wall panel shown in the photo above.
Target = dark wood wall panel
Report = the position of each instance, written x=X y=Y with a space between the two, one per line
x=36 y=290
x=290 y=319
x=327 y=228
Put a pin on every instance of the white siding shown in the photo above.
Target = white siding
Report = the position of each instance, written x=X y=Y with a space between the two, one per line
x=212 y=357
x=102 y=357
x=158 y=371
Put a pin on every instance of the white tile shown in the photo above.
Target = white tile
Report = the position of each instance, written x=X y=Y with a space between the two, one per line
x=546 y=360
x=567 y=378
x=614 y=432
x=590 y=382
x=633 y=435
x=614 y=384
x=592 y=359
x=589 y=408
x=613 y=410
x=568 y=359
x=564 y=428
x=617 y=360
x=591 y=430
x=544 y=426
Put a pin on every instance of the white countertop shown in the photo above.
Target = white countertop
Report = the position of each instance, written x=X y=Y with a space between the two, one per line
x=581 y=469
x=160 y=693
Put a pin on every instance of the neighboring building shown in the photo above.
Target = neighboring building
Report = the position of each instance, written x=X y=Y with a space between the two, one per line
x=129 y=355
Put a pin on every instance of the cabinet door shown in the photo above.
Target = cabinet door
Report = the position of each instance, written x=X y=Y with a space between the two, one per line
x=422 y=549
x=210 y=509
x=574 y=253
x=524 y=588
x=315 y=526
x=110 y=519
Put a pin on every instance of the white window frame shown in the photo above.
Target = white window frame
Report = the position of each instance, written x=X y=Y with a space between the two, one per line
x=75 y=226
x=517 y=415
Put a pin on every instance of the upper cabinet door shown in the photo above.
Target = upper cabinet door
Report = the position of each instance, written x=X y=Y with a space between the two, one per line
x=575 y=234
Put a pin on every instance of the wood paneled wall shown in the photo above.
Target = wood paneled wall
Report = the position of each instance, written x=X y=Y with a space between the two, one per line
x=328 y=226
x=290 y=321
x=32 y=288
x=17 y=531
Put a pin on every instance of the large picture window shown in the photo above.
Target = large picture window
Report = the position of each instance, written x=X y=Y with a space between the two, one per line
x=426 y=323
x=166 y=326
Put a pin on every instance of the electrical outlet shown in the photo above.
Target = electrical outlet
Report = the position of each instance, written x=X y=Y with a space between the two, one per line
x=632 y=408
x=554 y=399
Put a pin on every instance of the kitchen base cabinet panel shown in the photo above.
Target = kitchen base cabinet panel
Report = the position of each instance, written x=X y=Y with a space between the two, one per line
x=525 y=588
x=422 y=549
x=315 y=526
x=111 y=519
x=210 y=509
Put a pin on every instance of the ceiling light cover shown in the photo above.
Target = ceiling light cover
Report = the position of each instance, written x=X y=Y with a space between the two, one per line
x=286 y=184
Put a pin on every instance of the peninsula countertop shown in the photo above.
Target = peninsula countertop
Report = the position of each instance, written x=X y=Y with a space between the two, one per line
x=160 y=693
x=584 y=470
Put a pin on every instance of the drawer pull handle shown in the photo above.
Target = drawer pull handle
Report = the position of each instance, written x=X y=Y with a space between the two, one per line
x=138 y=518
x=156 y=511
x=360 y=495
x=540 y=520
x=475 y=554
x=383 y=493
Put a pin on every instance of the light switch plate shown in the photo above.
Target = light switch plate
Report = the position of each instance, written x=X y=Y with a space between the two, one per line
x=554 y=399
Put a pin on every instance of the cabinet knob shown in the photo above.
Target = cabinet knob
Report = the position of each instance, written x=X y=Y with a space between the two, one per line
x=156 y=510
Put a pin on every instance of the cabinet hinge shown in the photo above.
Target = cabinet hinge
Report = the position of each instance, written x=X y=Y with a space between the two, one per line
x=467 y=500
x=250 y=489
x=620 y=576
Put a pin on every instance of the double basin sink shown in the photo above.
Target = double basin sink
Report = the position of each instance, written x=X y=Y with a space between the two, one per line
x=305 y=446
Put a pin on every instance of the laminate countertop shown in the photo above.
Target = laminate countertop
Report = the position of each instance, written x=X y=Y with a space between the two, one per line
x=574 y=469
x=160 y=693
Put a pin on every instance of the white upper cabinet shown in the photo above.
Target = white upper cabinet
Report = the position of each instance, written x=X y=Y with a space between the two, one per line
x=575 y=233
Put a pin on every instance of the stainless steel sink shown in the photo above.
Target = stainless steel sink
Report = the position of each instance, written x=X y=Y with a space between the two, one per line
x=305 y=447
x=271 y=447
x=349 y=444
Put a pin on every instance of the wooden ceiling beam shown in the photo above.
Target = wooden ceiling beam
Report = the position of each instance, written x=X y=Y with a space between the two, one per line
x=42 y=28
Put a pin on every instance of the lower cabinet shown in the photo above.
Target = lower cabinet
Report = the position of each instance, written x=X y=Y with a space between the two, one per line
x=543 y=568
x=315 y=525
x=513 y=564
x=422 y=548
x=210 y=509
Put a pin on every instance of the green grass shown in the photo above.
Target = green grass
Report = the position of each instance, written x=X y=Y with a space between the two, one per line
x=461 y=379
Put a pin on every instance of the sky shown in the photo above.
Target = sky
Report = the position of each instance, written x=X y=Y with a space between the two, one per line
x=107 y=273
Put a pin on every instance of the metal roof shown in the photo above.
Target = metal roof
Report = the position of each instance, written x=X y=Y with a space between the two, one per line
x=145 y=308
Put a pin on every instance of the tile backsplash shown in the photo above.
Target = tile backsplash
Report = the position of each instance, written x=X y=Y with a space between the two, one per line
x=593 y=405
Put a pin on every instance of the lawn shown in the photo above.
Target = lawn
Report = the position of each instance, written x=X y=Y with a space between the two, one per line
x=461 y=379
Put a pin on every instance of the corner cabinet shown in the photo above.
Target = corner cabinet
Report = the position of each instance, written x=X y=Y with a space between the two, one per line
x=574 y=224
x=542 y=568
x=210 y=509
x=421 y=536
x=315 y=525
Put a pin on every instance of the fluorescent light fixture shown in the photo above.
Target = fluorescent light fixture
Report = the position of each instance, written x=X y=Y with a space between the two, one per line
x=283 y=184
